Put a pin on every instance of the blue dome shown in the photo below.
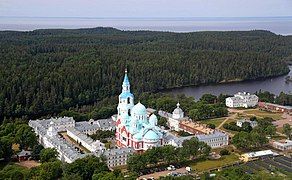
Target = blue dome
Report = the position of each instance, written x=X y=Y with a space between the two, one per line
x=125 y=95
x=138 y=136
x=139 y=109
x=153 y=120
x=151 y=135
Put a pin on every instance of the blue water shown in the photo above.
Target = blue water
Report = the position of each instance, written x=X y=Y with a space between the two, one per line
x=275 y=85
x=278 y=25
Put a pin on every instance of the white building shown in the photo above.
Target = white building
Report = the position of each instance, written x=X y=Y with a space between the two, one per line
x=176 y=117
x=171 y=139
x=48 y=131
x=241 y=121
x=90 y=127
x=177 y=122
x=255 y=155
x=85 y=141
x=117 y=157
x=283 y=146
x=240 y=99
x=214 y=140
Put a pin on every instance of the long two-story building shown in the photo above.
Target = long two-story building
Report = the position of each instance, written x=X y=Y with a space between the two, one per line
x=244 y=100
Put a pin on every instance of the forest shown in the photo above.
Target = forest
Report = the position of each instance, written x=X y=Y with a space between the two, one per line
x=44 y=72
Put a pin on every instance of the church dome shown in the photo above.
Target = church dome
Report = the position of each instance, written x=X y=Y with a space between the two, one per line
x=133 y=121
x=139 y=109
x=153 y=120
x=177 y=112
x=151 y=135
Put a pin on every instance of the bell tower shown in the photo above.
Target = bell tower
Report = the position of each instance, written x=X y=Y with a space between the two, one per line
x=126 y=98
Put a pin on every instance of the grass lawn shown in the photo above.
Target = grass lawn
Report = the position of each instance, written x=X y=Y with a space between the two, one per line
x=216 y=121
x=263 y=114
x=210 y=164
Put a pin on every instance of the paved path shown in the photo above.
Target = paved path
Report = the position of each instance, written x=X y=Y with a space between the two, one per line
x=233 y=116
x=225 y=121
x=156 y=175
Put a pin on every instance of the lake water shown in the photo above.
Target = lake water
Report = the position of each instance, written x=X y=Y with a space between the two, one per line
x=278 y=25
x=273 y=85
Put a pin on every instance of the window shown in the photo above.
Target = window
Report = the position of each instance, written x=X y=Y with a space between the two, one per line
x=129 y=112
x=124 y=139
x=128 y=100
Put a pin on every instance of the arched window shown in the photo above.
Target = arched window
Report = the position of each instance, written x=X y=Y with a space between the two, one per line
x=128 y=100
x=129 y=112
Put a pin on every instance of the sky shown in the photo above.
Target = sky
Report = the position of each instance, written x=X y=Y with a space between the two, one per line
x=145 y=8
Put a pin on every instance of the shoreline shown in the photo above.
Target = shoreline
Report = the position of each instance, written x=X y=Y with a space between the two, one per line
x=168 y=90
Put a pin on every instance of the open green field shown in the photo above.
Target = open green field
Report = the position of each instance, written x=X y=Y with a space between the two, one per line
x=263 y=114
x=211 y=164
x=216 y=121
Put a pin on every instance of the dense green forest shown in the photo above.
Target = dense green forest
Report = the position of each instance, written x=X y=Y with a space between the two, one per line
x=47 y=71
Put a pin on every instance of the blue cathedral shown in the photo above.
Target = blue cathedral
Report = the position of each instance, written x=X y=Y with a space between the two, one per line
x=133 y=127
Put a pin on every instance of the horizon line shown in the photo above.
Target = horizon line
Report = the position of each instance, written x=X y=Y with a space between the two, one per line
x=178 y=17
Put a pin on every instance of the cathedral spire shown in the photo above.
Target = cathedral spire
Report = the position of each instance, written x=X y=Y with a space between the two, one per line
x=126 y=79
x=126 y=82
